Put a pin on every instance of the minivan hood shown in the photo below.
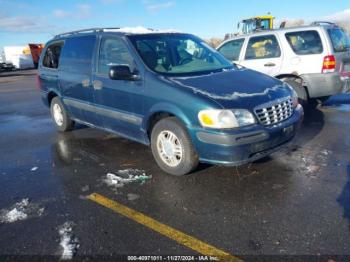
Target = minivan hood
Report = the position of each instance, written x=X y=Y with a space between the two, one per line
x=239 y=88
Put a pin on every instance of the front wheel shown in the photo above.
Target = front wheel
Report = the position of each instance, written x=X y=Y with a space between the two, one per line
x=172 y=147
x=60 y=115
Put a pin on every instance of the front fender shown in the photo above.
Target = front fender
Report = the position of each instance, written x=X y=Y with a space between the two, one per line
x=164 y=107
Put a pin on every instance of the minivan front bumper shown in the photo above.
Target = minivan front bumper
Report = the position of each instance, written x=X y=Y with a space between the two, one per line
x=238 y=147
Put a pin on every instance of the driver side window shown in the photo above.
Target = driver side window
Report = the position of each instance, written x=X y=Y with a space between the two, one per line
x=113 y=51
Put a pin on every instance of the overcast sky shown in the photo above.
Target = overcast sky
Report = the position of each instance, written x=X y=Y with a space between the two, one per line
x=37 y=21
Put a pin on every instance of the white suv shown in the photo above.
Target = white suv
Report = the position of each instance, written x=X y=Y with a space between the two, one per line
x=314 y=59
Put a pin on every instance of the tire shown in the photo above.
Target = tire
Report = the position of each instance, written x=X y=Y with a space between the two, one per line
x=163 y=144
x=296 y=84
x=62 y=121
x=314 y=102
x=323 y=99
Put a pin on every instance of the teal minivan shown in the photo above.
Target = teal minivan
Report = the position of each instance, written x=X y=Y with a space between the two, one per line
x=170 y=91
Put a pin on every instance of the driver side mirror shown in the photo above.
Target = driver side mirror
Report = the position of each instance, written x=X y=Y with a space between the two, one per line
x=122 y=72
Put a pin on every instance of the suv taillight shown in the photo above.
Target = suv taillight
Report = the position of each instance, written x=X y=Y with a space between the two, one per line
x=328 y=65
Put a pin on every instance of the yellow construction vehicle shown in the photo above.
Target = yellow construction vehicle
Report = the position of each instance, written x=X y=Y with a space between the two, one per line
x=256 y=23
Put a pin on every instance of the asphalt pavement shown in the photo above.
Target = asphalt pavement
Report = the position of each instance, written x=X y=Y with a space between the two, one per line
x=295 y=203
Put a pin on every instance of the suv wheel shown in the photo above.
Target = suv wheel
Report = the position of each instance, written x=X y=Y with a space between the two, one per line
x=172 y=147
x=322 y=100
x=299 y=89
x=60 y=115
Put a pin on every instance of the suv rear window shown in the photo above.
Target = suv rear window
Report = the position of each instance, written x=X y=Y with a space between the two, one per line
x=340 y=40
x=305 y=42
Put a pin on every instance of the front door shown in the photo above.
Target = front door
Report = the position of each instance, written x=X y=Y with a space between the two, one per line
x=118 y=103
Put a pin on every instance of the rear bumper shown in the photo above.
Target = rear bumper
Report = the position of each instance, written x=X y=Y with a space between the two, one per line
x=245 y=145
x=328 y=84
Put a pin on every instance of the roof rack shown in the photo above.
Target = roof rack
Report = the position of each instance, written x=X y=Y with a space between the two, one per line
x=88 y=30
x=322 y=23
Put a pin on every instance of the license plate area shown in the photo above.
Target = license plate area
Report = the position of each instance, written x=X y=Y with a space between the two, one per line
x=288 y=130
x=346 y=67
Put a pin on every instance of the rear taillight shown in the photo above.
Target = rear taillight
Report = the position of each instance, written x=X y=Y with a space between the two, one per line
x=328 y=65
x=38 y=82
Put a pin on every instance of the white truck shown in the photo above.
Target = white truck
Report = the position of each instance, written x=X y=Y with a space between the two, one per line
x=5 y=66
x=19 y=56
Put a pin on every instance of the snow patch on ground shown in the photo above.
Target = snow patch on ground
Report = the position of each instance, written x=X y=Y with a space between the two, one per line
x=311 y=161
x=85 y=188
x=17 y=212
x=34 y=168
x=132 y=197
x=126 y=176
x=20 y=211
x=69 y=243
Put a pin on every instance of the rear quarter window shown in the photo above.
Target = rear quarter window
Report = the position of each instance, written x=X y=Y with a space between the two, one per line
x=77 y=54
x=52 y=55
x=305 y=42
x=339 y=38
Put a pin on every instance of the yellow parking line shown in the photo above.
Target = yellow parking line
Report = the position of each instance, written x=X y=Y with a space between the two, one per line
x=180 y=237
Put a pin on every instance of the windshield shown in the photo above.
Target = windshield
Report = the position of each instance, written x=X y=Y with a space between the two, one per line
x=248 y=26
x=178 y=54
x=340 y=40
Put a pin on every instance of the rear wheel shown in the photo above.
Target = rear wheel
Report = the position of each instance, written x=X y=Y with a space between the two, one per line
x=60 y=115
x=296 y=84
x=323 y=99
x=172 y=147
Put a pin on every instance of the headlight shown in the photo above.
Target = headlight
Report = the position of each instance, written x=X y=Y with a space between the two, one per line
x=295 y=99
x=216 y=118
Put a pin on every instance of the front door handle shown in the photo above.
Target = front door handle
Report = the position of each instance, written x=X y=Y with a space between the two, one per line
x=270 y=64
x=97 y=84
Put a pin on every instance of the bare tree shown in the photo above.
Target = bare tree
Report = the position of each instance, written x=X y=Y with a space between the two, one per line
x=294 y=22
x=214 y=41
x=344 y=25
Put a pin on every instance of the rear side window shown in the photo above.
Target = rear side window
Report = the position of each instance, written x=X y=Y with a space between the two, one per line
x=113 y=51
x=260 y=47
x=52 y=55
x=340 y=40
x=305 y=42
x=77 y=54
x=232 y=49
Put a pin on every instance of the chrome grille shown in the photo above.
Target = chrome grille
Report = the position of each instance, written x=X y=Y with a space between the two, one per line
x=274 y=112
